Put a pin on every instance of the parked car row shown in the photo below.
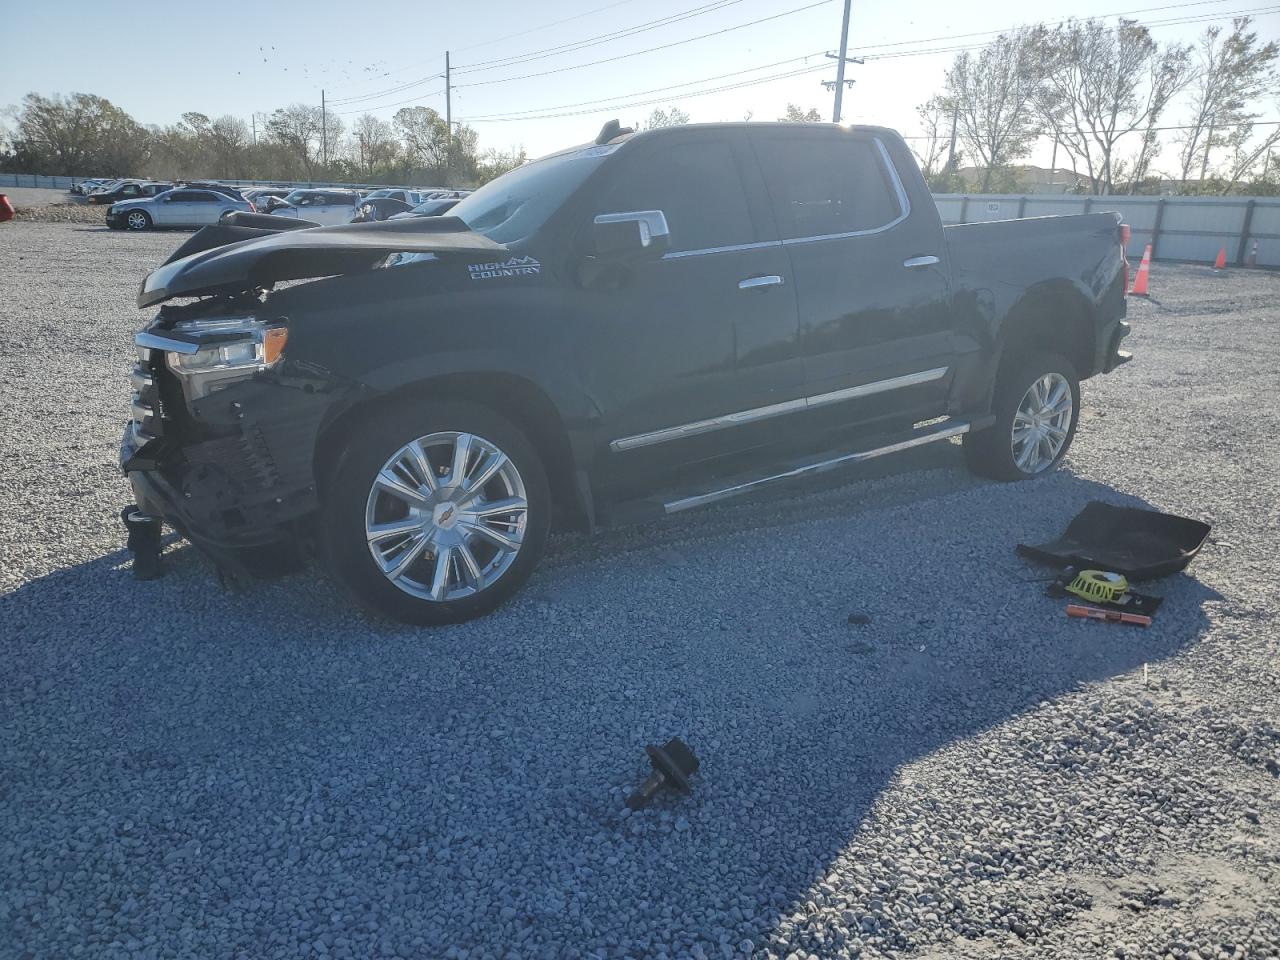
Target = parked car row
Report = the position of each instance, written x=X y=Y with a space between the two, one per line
x=144 y=204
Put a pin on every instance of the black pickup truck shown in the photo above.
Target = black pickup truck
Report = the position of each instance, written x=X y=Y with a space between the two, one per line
x=626 y=329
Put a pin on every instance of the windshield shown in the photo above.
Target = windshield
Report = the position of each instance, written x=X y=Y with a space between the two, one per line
x=519 y=202
x=297 y=195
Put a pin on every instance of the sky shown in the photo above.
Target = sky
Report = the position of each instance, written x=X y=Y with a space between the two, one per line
x=523 y=72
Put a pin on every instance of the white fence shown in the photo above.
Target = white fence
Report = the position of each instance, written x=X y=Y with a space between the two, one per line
x=1178 y=228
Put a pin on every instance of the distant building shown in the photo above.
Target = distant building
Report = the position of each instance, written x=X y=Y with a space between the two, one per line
x=1026 y=179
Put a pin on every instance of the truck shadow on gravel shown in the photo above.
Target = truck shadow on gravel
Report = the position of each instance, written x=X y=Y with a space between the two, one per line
x=267 y=767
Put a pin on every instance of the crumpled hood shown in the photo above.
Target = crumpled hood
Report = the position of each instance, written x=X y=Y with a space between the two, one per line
x=302 y=254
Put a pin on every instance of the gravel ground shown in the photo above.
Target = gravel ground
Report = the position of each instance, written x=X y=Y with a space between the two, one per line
x=258 y=771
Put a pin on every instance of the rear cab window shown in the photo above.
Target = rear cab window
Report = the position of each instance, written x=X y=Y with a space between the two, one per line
x=823 y=185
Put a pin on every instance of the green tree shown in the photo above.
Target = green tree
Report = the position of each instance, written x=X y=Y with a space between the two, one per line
x=671 y=117
x=1233 y=73
x=297 y=129
x=796 y=115
x=1100 y=85
x=425 y=135
x=995 y=95
x=76 y=134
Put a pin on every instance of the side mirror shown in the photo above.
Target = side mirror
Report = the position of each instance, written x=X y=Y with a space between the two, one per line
x=641 y=234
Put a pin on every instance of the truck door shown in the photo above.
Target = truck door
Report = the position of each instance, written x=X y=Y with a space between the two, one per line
x=706 y=332
x=871 y=282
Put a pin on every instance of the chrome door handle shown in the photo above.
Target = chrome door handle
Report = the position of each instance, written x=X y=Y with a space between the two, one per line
x=920 y=262
x=752 y=282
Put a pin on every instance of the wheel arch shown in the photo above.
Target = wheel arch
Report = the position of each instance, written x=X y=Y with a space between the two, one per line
x=511 y=395
x=1052 y=316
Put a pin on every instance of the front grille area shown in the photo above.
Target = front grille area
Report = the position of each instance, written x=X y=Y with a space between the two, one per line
x=148 y=416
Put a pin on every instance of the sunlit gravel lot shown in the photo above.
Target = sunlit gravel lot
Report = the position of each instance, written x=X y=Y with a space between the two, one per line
x=257 y=771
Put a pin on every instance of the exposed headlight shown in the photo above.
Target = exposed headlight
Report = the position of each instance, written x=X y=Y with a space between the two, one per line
x=230 y=349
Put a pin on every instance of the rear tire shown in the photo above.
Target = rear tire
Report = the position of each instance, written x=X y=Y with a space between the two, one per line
x=436 y=514
x=1037 y=408
x=137 y=220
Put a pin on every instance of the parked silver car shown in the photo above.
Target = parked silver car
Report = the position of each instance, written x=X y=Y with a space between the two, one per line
x=183 y=207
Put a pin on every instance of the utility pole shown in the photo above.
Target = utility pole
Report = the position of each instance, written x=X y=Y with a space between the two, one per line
x=253 y=119
x=448 y=96
x=951 y=156
x=844 y=50
x=324 y=130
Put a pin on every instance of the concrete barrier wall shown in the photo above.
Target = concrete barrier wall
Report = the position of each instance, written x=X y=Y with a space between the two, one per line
x=1178 y=228
x=64 y=183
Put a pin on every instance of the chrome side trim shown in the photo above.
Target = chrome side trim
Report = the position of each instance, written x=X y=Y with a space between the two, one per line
x=706 y=426
x=878 y=386
x=679 y=254
x=775 y=409
x=904 y=207
x=154 y=341
x=702 y=499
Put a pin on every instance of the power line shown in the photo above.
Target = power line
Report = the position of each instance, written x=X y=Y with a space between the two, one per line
x=605 y=101
x=547 y=113
x=619 y=34
x=545 y=52
x=637 y=53
x=642 y=103
x=553 y=23
x=393 y=106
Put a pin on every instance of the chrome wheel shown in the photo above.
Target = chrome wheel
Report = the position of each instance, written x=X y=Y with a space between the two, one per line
x=137 y=220
x=1041 y=423
x=446 y=516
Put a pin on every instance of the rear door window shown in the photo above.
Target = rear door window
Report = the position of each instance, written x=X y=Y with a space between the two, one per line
x=697 y=186
x=823 y=185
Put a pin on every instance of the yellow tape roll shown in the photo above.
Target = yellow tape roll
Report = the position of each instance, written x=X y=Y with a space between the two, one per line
x=1099 y=586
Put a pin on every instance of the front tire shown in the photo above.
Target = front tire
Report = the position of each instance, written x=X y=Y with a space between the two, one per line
x=435 y=516
x=137 y=220
x=1037 y=408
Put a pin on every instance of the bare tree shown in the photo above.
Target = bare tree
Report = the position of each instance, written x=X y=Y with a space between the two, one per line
x=229 y=143
x=933 y=148
x=1102 y=84
x=373 y=143
x=995 y=96
x=1233 y=73
x=297 y=128
x=1245 y=153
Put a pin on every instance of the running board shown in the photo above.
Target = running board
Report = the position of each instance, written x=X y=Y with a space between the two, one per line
x=941 y=430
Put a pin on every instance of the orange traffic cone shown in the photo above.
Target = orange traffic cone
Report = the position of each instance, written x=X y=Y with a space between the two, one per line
x=1141 y=280
x=1221 y=262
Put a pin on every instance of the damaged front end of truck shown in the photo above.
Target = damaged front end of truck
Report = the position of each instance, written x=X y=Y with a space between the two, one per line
x=224 y=424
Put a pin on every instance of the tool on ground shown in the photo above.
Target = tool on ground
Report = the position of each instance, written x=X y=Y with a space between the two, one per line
x=1137 y=544
x=1109 y=616
x=144 y=543
x=1143 y=278
x=673 y=764
x=1098 y=586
